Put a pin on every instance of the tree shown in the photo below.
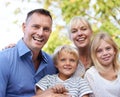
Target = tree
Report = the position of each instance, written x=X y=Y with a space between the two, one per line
x=104 y=14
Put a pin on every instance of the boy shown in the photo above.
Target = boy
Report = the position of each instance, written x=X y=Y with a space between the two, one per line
x=66 y=60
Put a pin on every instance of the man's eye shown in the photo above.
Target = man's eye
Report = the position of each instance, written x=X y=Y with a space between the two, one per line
x=46 y=29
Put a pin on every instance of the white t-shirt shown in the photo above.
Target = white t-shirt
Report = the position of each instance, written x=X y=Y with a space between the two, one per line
x=76 y=86
x=102 y=87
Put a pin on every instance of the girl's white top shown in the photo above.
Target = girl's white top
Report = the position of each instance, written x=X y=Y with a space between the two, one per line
x=102 y=87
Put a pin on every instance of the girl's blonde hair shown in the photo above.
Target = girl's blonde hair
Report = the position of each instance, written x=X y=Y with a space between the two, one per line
x=96 y=43
x=66 y=48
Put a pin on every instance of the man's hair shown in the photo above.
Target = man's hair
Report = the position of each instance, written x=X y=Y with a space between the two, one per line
x=40 y=11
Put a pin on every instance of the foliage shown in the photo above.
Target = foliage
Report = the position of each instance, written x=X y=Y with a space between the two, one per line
x=103 y=14
x=55 y=40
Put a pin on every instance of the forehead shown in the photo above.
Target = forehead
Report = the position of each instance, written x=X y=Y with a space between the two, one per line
x=103 y=43
x=66 y=52
x=37 y=17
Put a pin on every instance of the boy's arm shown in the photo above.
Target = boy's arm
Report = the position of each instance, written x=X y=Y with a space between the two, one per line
x=87 y=95
x=49 y=93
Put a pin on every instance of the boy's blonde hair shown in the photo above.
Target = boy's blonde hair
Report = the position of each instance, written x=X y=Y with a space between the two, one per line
x=66 y=48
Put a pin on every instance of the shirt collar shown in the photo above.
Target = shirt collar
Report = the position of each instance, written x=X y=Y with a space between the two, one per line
x=23 y=49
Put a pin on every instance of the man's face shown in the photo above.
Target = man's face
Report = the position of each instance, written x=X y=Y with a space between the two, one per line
x=37 y=30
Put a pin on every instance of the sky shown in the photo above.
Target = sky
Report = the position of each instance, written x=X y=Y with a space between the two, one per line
x=10 y=32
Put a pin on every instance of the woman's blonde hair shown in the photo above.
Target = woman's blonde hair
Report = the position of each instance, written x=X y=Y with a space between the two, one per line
x=66 y=48
x=96 y=43
x=77 y=20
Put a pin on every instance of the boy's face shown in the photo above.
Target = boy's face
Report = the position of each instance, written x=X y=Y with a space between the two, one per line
x=67 y=64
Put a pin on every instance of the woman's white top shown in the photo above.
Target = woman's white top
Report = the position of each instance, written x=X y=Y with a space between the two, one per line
x=102 y=87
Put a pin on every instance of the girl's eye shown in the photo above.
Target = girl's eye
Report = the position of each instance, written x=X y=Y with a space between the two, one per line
x=108 y=48
x=99 y=50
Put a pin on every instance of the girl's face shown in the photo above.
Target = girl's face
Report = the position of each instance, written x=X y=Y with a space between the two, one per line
x=66 y=65
x=81 y=34
x=105 y=54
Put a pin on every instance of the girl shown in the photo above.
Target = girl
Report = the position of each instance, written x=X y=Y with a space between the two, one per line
x=104 y=77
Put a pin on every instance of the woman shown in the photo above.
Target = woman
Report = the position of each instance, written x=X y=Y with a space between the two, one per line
x=80 y=33
x=104 y=76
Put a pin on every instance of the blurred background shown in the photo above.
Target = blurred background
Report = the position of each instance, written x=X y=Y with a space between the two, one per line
x=102 y=15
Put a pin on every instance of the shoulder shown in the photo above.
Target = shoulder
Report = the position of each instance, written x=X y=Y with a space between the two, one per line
x=91 y=73
x=91 y=70
x=8 y=54
x=48 y=78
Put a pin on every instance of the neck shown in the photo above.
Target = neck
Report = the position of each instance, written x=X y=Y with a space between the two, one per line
x=108 y=73
x=36 y=59
x=85 y=57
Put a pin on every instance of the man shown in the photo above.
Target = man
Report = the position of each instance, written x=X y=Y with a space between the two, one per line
x=24 y=64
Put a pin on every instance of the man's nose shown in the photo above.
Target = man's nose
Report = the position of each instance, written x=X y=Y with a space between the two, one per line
x=40 y=31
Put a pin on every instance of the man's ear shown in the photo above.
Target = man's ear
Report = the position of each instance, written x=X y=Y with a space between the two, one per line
x=23 y=27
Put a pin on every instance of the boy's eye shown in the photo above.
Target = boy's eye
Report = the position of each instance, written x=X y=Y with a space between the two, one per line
x=72 y=60
x=62 y=59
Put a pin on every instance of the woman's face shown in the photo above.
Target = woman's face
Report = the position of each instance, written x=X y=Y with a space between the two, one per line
x=105 y=54
x=81 y=34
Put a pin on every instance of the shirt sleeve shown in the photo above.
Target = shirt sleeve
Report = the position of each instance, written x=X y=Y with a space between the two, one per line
x=43 y=84
x=84 y=88
x=4 y=75
x=88 y=76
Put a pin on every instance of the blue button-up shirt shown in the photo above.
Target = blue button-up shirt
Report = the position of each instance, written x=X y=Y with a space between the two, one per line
x=17 y=72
